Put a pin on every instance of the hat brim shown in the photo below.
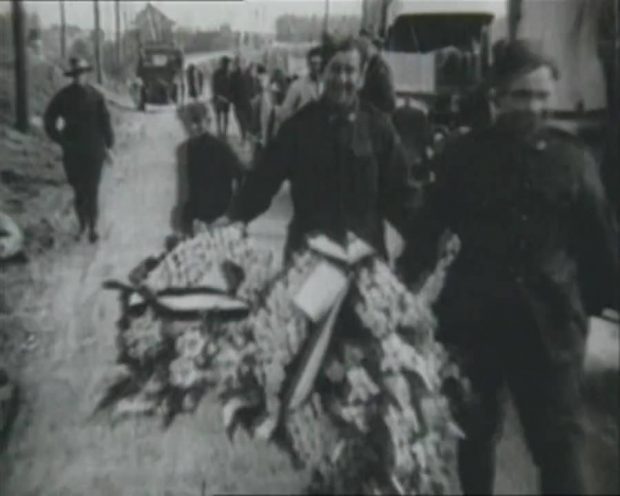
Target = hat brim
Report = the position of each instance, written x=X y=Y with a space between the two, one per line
x=75 y=72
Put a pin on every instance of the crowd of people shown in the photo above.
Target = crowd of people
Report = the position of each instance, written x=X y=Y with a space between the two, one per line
x=538 y=236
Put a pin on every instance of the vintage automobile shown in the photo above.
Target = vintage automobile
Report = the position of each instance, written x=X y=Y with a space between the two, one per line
x=159 y=73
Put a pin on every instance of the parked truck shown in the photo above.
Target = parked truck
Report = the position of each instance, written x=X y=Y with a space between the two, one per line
x=159 y=72
x=438 y=51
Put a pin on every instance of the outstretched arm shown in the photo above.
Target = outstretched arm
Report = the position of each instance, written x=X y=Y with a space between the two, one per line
x=596 y=242
x=106 y=123
x=50 y=118
x=265 y=180
x=397 y=194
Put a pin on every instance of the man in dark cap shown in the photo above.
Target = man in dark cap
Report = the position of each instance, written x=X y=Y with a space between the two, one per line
x=85 y=138
x=538 y=256
x=343 y=159
x=378 y=87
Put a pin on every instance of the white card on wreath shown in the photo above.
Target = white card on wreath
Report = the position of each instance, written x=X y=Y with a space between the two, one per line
x=321 y=291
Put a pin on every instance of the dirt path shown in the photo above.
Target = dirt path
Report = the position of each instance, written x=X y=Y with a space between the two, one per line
x=55 y=449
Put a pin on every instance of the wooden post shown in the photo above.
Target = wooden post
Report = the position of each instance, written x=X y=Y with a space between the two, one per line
x=98 y=70
x=124 y=47
x=117 y=11
x=22 y=118
x=326 y=18
x=515 y=12
x=63 y=30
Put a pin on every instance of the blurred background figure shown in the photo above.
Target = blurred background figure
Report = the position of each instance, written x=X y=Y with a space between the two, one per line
x=221 y=94
x=241 y=91
x=305 y=89
x=378 y=88
x=193 y=83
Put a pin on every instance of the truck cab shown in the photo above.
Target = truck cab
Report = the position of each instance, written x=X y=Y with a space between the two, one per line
x=439 y=52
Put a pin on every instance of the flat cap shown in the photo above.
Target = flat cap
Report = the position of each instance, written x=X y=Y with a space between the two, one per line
x=516 y=58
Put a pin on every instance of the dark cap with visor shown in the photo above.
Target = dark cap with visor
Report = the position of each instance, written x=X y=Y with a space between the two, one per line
x=513 y=59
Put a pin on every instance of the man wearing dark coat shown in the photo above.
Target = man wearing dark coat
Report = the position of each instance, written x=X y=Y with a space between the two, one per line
x=378 y=87
x=538 y=256
x=241 y=91
x=85 y=139
x=192 y=81
x=343 y=160
x=220 y=89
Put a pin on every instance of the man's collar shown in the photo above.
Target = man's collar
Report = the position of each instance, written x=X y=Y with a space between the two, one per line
x=336 y=114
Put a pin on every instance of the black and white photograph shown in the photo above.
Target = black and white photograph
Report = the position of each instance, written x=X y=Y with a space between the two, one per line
x=309 y=247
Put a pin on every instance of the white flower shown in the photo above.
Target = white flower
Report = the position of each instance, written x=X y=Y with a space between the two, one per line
x=184 y=374
x=190 y=344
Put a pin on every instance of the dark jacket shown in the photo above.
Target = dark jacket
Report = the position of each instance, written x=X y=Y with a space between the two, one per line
x=241 y=88
x=535 y=229
x=344 y=175
x=220 y=84
x=378 y=88
x=212 y=170
x=88 y=130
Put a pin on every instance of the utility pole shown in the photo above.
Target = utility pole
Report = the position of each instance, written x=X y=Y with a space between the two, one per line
x=515 y=12
x=22 y=119
x=117 y=11
x=326 y=18
x=124 y=47
x=98 y=43
x=63 y=30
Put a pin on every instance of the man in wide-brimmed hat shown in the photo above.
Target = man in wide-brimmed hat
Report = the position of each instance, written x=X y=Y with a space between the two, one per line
x=538 y=256
x=85 y=139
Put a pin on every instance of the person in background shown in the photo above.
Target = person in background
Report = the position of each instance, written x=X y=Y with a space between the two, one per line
x=192 y=81
x=262 y=108
x=343 y=160
x=213 y=173
x=279 y=85
x=220 y=89
x=378 y=88
x=179 y=81
x=305 y=89
x=539 y=255
x=242 y=88
x=85 y=138
x=200 y=77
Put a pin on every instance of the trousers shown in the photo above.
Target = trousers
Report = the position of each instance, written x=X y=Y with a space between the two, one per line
x=84 y=175
x=547 y=397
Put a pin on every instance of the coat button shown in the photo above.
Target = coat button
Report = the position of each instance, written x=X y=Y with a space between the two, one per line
x=540 y=145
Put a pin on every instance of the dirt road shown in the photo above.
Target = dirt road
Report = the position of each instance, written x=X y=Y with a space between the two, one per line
x=55 y=448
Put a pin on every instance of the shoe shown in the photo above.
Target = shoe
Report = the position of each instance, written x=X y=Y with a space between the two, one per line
x=93 y=237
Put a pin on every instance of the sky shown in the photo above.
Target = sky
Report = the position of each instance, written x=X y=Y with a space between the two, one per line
x=255 y=15
x=205 y=14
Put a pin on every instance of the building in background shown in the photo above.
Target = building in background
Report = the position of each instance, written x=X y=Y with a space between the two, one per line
x=152 y=25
